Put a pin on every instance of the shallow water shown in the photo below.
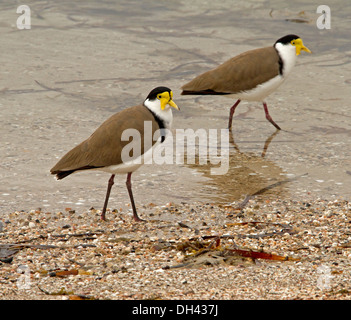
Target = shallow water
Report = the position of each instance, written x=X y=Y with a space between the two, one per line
x=83 y=61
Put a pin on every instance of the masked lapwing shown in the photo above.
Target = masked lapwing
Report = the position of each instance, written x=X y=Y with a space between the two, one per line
x=251 y=76
x=106 y=149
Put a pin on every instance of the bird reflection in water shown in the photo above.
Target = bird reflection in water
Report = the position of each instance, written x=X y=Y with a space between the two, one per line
x=248 y=175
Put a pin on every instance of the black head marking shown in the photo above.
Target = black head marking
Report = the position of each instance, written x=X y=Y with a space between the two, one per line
x=154 y=92
x=287 y=39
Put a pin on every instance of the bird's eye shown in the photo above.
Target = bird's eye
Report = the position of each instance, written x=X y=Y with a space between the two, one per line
x=293 y=42
x=159 y=96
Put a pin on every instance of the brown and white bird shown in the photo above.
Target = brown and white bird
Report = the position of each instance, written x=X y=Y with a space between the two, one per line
x=251 y=76
x=105 y=149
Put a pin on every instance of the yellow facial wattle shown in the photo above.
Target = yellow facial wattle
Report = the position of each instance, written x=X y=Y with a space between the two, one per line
x=299 y=46
x=166 y=98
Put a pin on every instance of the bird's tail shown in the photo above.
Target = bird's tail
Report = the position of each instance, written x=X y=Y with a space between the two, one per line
x=62 y=174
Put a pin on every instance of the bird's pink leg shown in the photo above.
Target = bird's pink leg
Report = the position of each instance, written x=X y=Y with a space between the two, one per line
x=129 y=187
x=232 y=109
x=268 y=117
x=109 y=186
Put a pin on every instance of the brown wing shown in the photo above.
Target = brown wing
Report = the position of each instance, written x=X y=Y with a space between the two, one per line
x=241 y=73
x=104 y=146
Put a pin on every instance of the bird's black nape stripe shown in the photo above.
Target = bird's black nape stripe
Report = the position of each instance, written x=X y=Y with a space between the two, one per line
x=203 y=92
x=280 y=61
x=161 y=125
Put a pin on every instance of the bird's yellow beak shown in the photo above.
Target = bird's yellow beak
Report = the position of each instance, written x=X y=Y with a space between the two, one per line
x=166 y=98
x=299 y=46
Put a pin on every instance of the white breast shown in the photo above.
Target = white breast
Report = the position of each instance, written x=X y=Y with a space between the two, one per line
x=261 y=91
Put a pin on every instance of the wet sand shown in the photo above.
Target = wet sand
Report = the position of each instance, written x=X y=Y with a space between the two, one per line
x=82 y=62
